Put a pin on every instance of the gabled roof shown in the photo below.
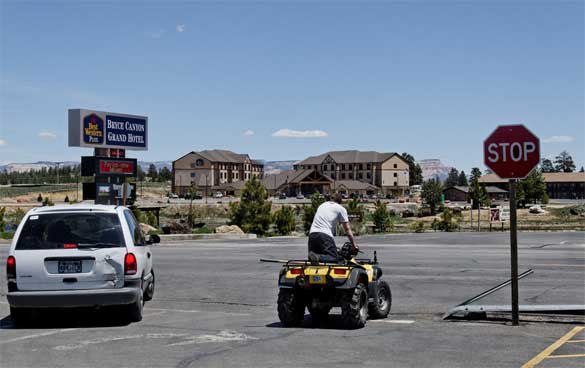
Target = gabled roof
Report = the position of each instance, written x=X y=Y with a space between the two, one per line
x=349 y=157
x=217 y=155
x=354 y=185
x=574 y=177
x=236 y=185
x=275 y=181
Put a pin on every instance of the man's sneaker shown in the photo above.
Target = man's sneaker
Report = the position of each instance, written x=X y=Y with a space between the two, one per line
x=314 y=258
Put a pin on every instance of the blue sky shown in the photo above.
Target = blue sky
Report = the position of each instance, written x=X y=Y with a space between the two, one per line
x=284 y=80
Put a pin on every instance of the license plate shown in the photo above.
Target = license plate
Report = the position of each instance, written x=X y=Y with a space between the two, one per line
x=317 y=280
x=69 y=266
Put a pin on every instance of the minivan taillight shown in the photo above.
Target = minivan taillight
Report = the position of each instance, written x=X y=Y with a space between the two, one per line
x=11 y=268
x=130 y=266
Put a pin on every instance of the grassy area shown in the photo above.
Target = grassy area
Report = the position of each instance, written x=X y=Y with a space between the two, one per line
x=6 y=235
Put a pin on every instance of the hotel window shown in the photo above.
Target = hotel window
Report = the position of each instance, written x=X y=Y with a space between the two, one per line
x=342 y=166
x=361 y=166
x=342 y=176
x=350 y=167
x=395 y=166
x=368 y=175
x=360 y=176
x=395 y=175
x=369 y=167
x=395 y=184
x=351 y=175
x=192 y=175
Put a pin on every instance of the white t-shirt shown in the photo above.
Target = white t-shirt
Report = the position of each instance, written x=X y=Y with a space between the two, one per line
x=327 y=216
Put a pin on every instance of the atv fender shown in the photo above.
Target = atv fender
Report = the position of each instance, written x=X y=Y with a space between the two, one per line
x=357 y=276
x=283 y=282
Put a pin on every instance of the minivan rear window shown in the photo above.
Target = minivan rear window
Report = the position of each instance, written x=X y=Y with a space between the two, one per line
x=71 y=230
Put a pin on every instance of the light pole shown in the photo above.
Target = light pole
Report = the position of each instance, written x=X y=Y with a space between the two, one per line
x=205 y=188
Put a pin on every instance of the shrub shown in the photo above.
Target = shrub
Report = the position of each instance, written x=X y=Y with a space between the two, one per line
x=40 y=198
x=202 y=230
x=2 y=223
x=66 y=200
x=381 y=218
x=447 y=222
x=418 y=227
x=284 y=219
x=47 y=202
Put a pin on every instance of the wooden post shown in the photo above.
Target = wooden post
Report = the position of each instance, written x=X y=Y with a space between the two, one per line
x=514 y=252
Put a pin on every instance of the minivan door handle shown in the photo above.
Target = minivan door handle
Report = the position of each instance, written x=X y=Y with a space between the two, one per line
x=69 y=279
x=148 y=255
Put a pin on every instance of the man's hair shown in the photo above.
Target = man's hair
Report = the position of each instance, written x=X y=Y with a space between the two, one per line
x=336 y=197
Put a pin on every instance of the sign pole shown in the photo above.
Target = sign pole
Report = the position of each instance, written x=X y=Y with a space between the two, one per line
x=514 y=252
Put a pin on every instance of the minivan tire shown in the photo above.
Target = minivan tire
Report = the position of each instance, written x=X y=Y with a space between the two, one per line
x=149 y=292
x=134 y=310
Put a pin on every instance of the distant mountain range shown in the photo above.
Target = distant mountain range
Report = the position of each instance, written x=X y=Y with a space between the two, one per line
x=434 y=169
x=431 y=168
x=270 y=167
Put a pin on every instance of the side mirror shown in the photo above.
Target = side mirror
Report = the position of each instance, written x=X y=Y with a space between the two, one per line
x=154 y=239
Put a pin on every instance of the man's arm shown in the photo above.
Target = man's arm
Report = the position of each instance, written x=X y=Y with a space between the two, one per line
x=349 y=233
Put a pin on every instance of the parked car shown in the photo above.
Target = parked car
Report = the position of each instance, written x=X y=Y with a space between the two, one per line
x=173 y=196
x=79 y=256
x=282 y=196
x=300 y=196
x=217 y=195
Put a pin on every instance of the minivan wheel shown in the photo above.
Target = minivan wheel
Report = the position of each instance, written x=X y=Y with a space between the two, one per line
x=135 y=309
x=149 y=292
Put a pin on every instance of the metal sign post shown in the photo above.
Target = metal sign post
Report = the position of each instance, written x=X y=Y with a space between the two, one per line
x=514 y=252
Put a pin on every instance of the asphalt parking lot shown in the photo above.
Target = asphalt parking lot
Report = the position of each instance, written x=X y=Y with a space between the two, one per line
x=215 y=306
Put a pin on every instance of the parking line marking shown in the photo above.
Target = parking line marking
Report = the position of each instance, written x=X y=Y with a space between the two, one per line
x=398 y=321
x=554 y=346
x=566 y=356
x=575 y=341
x=557 y=265
x=28 y=337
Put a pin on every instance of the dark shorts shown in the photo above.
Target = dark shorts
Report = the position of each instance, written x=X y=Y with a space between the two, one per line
x=324 y=246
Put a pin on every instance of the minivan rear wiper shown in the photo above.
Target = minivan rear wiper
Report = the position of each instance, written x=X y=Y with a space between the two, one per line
x=98 y=245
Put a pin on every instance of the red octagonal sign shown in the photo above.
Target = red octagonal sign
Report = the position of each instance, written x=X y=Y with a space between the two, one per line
x=511 y=151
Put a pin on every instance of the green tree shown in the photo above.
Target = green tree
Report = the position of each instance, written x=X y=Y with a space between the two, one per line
x=284 y=219
x=140 y=175
x=448 y=221
x=462 y=179
x=564 y=162
x=414 y=171
x=310 y=210
x=475 y=174
x=164 y=174
x=452 y=179
x=431 y=194
x=252 y=212
x=582 y=169
x=546 y=166
x=533 y=188
x=152 y=172
x=356 y=211
x=381 y=218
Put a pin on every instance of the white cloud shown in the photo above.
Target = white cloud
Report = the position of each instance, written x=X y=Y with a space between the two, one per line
x=248 y=132
x=180 y=28
x=289 y=133
x=558 y=139
x=156 y=34
x=47 y=135
x=3 y=142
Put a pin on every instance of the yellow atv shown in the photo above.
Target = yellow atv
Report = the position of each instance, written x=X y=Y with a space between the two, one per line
x=353 y=284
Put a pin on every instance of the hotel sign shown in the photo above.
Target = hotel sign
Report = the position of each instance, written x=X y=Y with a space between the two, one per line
x=100 y=129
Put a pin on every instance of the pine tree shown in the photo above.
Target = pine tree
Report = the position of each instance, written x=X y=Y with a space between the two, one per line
x=452 y=178
x=564 y=162
x=252 y=213
x=152 y=172
x=546 y=166
x=431 y=194
x=462 y=180
x=414 y=171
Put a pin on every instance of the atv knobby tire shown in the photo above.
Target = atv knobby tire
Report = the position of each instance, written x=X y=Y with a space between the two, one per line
x=380 y=306
x=354 y=312
x=291 y=309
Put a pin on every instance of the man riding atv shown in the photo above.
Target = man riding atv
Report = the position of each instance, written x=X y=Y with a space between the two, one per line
x=321 y=243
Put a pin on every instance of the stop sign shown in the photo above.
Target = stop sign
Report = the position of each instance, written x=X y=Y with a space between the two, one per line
x=511 y=151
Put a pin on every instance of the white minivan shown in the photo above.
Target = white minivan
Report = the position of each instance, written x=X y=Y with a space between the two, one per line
x=79 y=256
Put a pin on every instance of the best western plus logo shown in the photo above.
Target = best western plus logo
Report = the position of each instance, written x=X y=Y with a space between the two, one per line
x=93 y=129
